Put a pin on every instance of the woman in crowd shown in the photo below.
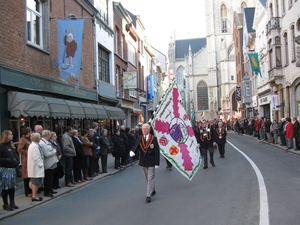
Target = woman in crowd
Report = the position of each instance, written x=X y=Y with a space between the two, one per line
x=88 y=153
x=274 y=131
x=23 y=145
x=104 y=146
x=35 y=165
x=8 y=162
x=79 y=158
x=119 y=148
x=59 y=170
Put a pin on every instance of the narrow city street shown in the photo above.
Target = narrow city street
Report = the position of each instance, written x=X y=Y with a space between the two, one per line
x=255 y=183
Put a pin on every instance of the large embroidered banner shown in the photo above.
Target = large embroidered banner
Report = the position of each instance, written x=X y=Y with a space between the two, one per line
x=70 y=33
x=175 y=135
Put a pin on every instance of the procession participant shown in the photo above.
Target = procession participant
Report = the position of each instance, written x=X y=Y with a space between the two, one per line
x=220 y=137
x=206 y=142
x=148 y=148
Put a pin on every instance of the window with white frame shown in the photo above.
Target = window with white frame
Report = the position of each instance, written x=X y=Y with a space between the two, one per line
x=131 y=54
x=103 y=65
x=36 y=23
x=102 y=7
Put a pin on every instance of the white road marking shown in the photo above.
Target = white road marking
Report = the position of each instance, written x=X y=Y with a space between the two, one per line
x=263 y=196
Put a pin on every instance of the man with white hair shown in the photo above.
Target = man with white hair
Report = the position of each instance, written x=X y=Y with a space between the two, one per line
x=281 y=132
x=148 y=148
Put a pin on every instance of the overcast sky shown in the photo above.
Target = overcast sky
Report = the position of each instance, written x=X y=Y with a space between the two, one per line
x=165 y=18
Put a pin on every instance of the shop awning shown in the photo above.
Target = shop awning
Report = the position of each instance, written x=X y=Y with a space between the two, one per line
x=89 y=111
x=101 y=112
x=58 y=108
x=23 y=104
x=114 y=113
x=76 y=110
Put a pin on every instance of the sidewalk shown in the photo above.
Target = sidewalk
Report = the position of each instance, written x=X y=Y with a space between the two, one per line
x=25 y=203
x=274 y=145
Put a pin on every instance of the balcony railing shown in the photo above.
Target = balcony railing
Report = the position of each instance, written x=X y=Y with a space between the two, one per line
x=273 y=24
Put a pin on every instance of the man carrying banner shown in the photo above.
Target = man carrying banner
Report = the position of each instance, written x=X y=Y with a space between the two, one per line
x=148 y=148
x=206 y=142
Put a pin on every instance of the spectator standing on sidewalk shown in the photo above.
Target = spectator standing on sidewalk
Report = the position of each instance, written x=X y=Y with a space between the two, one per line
x=69 y=154
x=104 y=146
x=23 y=145
x=274 y=131
x=88 y=153
x=268 y=124
x=59 y=170
x=126 y=142
x=96 y=137
x=119 y=148
x=79 y=158
x=258 y=127
x=281 y=132
x=289 y=129
x=296 y=128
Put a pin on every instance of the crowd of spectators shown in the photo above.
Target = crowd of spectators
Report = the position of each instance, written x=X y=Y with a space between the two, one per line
x=285 y=132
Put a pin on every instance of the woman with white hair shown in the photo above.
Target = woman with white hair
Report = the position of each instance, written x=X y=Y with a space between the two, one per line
x=35 y=165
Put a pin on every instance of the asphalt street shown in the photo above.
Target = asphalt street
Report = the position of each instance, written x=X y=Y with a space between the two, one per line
x=256 y=183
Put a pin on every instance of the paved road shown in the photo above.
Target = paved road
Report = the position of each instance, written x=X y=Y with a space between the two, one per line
x=252 y=180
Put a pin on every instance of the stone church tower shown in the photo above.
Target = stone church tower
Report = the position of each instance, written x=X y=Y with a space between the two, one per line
x=205 y=67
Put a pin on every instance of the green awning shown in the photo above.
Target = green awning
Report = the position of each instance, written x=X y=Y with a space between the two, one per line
x=27 y=105
x=115 y=113
x=58 y=108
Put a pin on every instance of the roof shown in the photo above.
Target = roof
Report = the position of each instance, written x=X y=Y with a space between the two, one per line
x=182 y=46
x=249 y=17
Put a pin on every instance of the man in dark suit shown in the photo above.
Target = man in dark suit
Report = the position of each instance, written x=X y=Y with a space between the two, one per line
x=148 y=148
x=206 y=142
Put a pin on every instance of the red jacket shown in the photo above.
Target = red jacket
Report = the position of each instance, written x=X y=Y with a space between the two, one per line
x=258 y=124
x=289 y=130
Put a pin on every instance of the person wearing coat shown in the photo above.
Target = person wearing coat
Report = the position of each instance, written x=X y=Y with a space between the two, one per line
x=296 y=129
x=147 y=146
x=50 y=162
x=23 y=145
x=220 y=137
x=88 y=153
x=59 y=170
x=8 y=162
x=206 y=142
x=289 y=133
x=104 y=146
x=35 y=165
x=119 y=148
x=79 y=158
x=281 y=132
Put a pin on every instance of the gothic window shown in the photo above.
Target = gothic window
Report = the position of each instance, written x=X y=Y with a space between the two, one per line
x=180 y=75
x=293 y=42
x=286 y=46
x=202 y=96
x=224 y=18
x=243 y=5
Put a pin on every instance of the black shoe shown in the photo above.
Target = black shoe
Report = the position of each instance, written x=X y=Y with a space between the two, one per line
x=54 y=188
x=148 y=199
x=49 y=195
x=54 y=192
x=104 y=171
x=14 y=206
x=153 y=193
x=7 y=208
x=204 y=167
x=213 y=164
x=37 y=199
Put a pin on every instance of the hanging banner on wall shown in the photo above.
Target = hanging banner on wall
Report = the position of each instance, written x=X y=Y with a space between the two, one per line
x=175 y=134
x=70 y=33
x=274 y=102
x=238 y=93
x=130 y=79
x=150 y=91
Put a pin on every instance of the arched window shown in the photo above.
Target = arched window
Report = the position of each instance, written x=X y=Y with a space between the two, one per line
x=224 y=18
x=180 y=75
x=202 y=96
x=286 y=48
x=278 y=51
x=243 y=5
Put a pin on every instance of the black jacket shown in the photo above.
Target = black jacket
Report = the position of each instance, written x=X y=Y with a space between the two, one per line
x=8 y=156
x=119 y=146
